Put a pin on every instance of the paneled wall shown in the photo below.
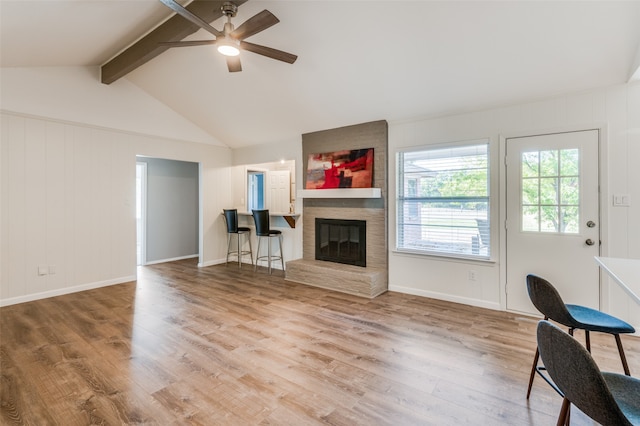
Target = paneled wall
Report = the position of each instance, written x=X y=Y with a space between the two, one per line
x=67 y=216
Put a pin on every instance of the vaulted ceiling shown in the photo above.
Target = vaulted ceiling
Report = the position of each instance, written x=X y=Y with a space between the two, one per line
x=357 y=60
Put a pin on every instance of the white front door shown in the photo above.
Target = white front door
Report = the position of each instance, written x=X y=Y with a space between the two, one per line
x=553 y=227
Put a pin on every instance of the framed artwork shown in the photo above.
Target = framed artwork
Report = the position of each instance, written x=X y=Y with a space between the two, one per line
x=340 y=169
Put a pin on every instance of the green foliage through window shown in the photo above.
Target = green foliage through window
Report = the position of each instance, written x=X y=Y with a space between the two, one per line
x=550 y=197
x=443 y=200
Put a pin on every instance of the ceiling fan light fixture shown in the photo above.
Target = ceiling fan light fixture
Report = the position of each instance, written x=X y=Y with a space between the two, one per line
x=228 y=47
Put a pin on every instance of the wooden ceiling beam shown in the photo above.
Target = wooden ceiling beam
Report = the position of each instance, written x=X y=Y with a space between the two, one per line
x=147 y=48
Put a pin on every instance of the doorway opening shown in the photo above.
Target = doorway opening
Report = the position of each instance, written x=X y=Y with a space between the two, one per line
x=141 y=215
x=255 y=190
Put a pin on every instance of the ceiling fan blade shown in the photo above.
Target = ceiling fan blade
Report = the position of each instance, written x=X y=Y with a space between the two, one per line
x=176 y=7
x=187 y=43
x=268 y=52
x=254 y=25
x=233 y=63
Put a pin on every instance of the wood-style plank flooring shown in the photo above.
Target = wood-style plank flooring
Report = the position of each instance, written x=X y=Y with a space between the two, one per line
x=219 y=346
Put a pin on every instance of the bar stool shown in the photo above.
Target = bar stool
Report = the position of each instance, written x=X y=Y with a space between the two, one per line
x=231 y=219
x=261 y=218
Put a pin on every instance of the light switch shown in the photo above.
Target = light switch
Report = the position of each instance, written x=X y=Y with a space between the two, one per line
x=621 y=200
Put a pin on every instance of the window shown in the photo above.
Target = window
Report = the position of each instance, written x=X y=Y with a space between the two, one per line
x=550 y=191
x=443 y=201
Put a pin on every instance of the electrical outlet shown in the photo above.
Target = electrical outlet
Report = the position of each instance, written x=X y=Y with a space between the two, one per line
x=473 y=276
x=52 y=269
x=43 y=270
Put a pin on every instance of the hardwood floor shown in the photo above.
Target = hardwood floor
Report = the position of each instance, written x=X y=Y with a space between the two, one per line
x=215 y=345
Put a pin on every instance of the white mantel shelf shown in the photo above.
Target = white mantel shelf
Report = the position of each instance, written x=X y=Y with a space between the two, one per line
x=340 y=193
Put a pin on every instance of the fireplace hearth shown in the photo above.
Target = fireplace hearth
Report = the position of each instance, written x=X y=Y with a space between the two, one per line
x=341 y=241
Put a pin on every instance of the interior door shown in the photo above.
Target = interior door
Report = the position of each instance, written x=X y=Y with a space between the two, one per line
x=553 y=227
x=279 y=197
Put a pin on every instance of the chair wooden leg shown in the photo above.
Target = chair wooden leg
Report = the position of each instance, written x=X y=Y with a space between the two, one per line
x=587 y=340
x=533 y=371
x=623 y=358
x=564 y=413
x=534 y=366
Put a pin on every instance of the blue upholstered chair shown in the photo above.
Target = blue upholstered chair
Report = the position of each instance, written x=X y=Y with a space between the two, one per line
x=263 y=230
x=231 y=220
x=548 y=301
x=610 y=399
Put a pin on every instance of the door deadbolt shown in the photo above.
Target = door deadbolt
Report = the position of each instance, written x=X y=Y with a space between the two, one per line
x=591 y=224
x=589 y=242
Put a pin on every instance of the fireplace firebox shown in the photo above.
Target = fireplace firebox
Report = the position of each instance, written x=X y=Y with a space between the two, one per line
x=341 y=241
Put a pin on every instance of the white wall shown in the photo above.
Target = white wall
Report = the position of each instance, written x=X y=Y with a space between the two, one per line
x=68 y=202
x=75 y=94
x=67 y=180
x=270 y=155
x=67 y=177
x=617 y=109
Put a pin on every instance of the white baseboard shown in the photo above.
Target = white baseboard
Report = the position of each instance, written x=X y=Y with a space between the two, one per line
x=274 y=265
x=173 y=259
x=66 y=290
x=447 y=297
x=211 y=263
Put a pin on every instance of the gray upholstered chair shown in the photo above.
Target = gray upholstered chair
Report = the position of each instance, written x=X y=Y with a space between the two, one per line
x=610 y=399
x=263 y=230
x=548 y=301
x=231 y=220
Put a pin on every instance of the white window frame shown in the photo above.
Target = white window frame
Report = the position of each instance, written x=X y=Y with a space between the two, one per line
x=487 y=253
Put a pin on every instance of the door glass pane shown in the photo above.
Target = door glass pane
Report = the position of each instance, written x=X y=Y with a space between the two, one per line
x=569 y=220
x=530 y=194
x=569 y=191
x=548 y=163
x=550 y=199
x=530 y=164
x=549 y=191
x=569 y=162
x=549 y=219
x=530 y=218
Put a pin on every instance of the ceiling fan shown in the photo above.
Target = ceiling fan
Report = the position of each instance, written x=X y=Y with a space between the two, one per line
x=231 y=40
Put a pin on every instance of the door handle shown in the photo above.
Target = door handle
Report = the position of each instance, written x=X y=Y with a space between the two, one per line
x=589 y=242
x=591 y=224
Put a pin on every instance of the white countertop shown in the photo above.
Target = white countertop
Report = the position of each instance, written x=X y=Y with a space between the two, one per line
x=625 y=272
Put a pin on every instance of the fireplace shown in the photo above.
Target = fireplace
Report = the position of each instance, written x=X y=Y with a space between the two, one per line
x=341 y=241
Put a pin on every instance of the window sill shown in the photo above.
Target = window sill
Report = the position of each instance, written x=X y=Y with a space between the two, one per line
x=443 y=256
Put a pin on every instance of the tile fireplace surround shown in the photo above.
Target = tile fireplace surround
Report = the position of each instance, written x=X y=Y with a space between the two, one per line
x=368 y=281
